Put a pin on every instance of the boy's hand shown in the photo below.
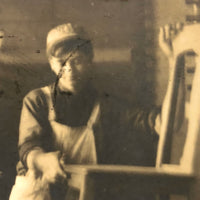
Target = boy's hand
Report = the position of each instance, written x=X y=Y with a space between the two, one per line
x=177 y=39
x=48 y=165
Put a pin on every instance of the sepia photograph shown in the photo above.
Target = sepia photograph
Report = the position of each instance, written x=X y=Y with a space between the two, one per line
x=99 y=99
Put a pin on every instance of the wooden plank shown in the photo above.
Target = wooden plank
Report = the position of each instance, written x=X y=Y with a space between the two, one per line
x=173 y=170
x=110 y=180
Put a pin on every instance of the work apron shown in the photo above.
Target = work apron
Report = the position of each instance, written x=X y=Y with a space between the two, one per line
x=76 y=144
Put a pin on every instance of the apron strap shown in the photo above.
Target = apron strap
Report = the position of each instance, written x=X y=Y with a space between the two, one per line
x=94 y=116
x=48 y=93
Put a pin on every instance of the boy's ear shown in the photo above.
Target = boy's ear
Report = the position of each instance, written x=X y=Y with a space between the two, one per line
x=55 y=64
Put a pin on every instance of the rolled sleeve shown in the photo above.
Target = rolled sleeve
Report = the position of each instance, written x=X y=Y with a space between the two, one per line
x=152 y=119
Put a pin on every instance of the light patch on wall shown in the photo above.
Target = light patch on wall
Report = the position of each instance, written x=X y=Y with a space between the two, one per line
x=1 y=37
x=120 y=55
x=110 y=55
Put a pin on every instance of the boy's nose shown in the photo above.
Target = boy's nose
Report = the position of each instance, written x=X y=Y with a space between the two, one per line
x=67 y=67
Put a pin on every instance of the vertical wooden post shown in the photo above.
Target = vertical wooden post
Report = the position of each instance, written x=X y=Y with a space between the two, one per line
x=87 y=188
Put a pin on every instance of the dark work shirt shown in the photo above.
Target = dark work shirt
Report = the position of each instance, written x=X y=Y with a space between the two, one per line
x=123 y=135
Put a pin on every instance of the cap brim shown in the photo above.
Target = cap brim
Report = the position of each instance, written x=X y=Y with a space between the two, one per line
x=66 y=45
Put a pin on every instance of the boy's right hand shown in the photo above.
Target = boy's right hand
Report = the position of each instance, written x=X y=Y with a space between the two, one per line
x=47 y=165
x=178 y=38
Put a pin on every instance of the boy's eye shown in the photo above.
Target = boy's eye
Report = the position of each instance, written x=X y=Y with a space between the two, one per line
x=76 y=61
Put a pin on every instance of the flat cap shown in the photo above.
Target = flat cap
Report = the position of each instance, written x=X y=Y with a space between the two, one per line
x=65 y=33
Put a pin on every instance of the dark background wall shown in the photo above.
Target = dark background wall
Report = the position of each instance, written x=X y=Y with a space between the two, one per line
x=127 y=58
x=118 y=31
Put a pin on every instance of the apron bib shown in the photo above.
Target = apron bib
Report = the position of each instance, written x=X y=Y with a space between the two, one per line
x=77 y=144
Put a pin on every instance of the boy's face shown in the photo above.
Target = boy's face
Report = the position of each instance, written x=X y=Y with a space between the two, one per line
x=73 y=71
